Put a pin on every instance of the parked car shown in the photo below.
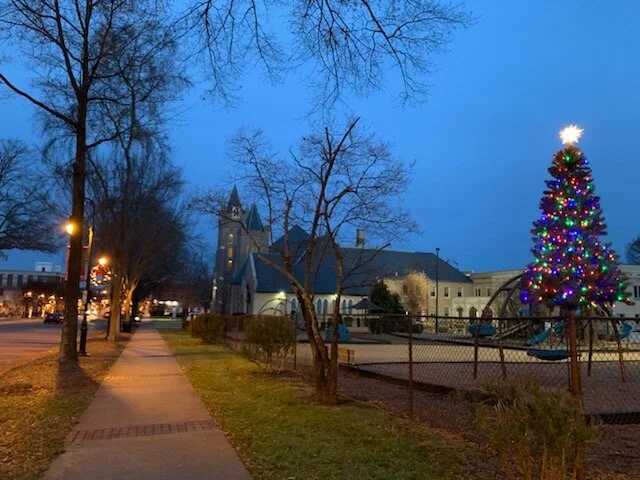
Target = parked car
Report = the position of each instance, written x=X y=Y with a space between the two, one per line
x=56 y=317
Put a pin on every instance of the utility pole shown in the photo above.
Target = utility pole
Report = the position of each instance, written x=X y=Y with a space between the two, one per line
x=87 y=280
x=437 y=284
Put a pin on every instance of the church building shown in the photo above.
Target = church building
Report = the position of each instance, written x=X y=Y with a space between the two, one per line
x=240 y=233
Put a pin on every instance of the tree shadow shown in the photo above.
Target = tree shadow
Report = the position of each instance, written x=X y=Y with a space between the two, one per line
x=72 y=378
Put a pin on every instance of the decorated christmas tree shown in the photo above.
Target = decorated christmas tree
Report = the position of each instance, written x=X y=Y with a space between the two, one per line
x=572 y=267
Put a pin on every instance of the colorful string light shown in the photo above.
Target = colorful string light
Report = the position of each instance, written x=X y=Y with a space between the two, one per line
x=572 y=267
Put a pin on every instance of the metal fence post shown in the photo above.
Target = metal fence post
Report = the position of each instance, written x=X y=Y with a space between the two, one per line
x=410 y=330
x=574 y=377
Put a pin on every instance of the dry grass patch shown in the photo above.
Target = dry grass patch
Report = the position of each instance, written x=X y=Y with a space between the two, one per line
x=39 y=404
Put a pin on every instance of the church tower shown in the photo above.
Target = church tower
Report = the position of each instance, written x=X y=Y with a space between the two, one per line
x=240 y=233
x=229 y=232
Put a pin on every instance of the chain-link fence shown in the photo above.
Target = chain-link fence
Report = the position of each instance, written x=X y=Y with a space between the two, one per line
x=445 y=354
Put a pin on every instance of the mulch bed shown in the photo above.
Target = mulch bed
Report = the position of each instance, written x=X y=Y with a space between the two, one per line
x=614 y=455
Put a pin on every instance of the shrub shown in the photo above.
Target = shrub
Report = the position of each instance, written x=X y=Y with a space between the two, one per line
x=273 y=338
x=209 y=327
x=543 y=432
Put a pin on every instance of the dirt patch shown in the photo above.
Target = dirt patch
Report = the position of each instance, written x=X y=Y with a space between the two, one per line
x=614 y=455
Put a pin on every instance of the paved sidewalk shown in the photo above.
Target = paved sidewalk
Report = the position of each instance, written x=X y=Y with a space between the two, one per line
x=146 y=422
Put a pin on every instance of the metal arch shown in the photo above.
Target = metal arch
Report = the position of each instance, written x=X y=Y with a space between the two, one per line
x=511 y=286
x=508 y=287
x=281 y=306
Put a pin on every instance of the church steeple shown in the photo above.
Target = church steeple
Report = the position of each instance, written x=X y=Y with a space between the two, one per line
x=252 y=220
x=234 y=199
x=234 y=206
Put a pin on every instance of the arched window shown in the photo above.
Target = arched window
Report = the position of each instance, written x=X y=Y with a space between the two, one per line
x=319 y=306
x=294 y=305
x=325 y=306
x=344 y=306
x=350 y=306
x=487 y=313
x=473 y=312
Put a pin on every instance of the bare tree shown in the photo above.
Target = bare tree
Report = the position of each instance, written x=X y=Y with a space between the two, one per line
x=633 y=251
x=141 y=224
x=332 y=184
x=415 y=291
x=342 y=45
x=26 y=222
x=68 y=41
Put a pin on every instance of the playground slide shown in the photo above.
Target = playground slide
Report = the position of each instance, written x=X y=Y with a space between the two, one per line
x=344 y=335
x=539 y=338
x=625 y=330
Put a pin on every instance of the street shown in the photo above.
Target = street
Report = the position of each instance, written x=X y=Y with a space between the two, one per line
x=25 y=337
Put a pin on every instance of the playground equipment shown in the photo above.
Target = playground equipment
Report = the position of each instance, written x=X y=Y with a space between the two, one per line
x=548 y=354
x=625 y=330
x=344 y=335
x=482 y=329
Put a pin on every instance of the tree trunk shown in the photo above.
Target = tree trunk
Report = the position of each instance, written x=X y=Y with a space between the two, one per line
x=322 y=378
x=127 y=300
x=135 y=302
x=116 y=295
x=68 y=340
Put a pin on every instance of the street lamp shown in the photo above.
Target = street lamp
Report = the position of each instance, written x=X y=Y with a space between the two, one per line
x=102 y=261
x=437 y=285
x=70 y=228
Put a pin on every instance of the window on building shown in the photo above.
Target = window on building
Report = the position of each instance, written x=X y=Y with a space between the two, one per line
x=636 y=291
x=325 y=306
x=1 y=278
x=344 y=306
x=404 y=289
x=460 y=311
x=459 y=292
x=473 y=312
x=319 y=306
x=446 y=311
x=10 y=280
x=43 y=269
x=29 y=278
x=433 y=291
x=446 y=292
x=478 y=292
x=432 y=312
x=488 y=292
x=229 y=264
x=20 y=280
x=294 y=305
x=350 y=306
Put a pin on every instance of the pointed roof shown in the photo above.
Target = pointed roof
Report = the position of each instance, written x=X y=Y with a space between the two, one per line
x=234 y=199
x=296 y=237
x=252 y=220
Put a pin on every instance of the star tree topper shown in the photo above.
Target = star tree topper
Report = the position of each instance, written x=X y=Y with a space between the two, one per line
x=570 y=134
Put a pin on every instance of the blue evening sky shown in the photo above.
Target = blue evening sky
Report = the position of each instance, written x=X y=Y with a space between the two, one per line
x=484 y=139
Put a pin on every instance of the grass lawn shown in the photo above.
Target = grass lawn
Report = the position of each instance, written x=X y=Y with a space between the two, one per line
x=281 y=434
x=39 y=406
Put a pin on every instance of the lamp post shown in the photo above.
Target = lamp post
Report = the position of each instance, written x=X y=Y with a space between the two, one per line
x=437 y=284
x=87 y=280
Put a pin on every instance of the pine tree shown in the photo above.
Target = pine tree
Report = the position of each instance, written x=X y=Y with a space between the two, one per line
x=572 y=267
